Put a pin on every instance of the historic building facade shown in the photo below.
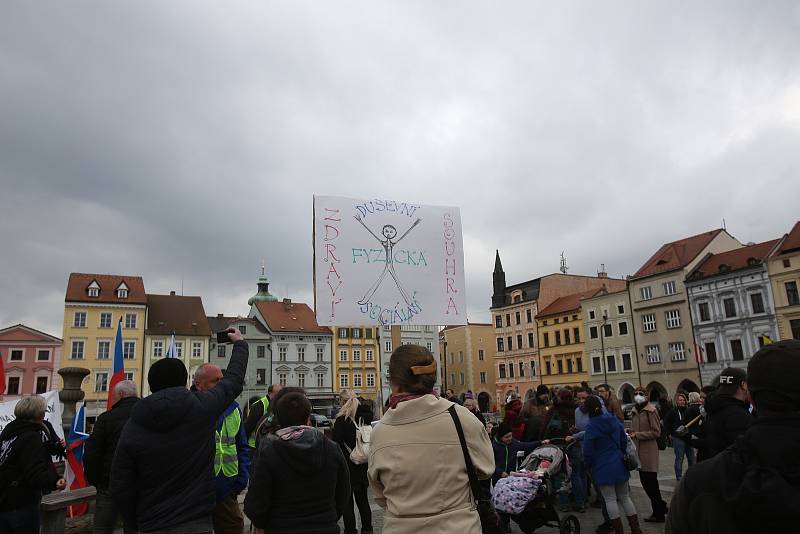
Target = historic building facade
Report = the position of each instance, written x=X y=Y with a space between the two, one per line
x=182 y=317
x=301 y=349
x=94 y=306
x=784 y=271
x=468 y=365
x=661 y=312
x=31 y=359
x=610 y=342
x=732 y=306
x=514 y=309
x=356 y=357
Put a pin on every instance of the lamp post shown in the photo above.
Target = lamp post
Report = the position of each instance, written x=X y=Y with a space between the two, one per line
x=603 y=348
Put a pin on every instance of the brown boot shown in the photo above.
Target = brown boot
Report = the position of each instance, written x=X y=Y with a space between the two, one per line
x=633 y=521
x=617 y=525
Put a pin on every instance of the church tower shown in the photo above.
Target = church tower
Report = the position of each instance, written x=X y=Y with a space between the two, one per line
x=498 y=283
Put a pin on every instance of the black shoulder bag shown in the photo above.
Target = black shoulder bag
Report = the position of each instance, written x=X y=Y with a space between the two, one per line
x=490 y=522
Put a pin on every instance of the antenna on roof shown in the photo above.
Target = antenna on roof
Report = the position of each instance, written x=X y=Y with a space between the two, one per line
x=723 y=224
x=563 y=267
x=181 y=285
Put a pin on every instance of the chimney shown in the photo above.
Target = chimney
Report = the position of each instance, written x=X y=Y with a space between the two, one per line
x=602 y=272
x=219 y=316
x=171 y=293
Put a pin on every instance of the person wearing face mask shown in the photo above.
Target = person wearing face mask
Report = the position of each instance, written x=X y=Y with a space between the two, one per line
x=676 y=418
x=645 y=431
x=728 y=410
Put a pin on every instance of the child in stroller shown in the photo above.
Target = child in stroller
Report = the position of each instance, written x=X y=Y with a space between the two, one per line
x=529 y=494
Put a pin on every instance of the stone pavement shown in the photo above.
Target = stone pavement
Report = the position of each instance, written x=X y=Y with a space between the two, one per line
x=589 y=520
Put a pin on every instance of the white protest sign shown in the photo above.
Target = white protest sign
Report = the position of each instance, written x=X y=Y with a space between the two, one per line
x=52 y=412
x=387 y=262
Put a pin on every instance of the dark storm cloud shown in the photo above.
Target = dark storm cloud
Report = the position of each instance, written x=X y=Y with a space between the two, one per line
x=183 y=141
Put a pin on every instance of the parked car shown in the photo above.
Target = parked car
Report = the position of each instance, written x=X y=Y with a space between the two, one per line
x=320 y=421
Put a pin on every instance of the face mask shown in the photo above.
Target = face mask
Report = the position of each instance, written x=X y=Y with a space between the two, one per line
x=639 y=399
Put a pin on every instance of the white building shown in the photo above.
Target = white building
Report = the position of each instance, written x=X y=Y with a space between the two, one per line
x=301 y=349
x=732 y=307
x=424 y=336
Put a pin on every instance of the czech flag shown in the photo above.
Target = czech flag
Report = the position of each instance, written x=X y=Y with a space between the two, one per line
x=118 y=375
x=73 y=467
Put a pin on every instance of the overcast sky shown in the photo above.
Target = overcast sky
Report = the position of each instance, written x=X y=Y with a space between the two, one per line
x=183 y=141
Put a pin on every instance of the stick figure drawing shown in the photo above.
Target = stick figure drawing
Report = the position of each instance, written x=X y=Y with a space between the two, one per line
x=388 y=242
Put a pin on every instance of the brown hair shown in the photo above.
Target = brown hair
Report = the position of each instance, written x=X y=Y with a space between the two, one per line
x=412 y=368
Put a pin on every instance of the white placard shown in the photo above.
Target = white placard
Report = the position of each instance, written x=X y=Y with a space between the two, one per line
x=387 y=262
x=52 y=412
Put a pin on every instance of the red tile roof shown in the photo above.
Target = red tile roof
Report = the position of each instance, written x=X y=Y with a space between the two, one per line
x=79 y=282
x=733 y=259
x=288 y=316
x=567 y=303
x=167 y=314
x=792 y=242
x=677 y=254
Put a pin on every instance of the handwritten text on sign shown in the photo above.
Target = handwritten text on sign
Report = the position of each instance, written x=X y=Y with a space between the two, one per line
x=387 y=262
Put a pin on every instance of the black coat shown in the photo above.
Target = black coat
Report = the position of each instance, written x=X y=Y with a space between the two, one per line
x=344 y=433
x=675 y=418
x=101 y=445
x=298 y=486
x=697 y=432
x=162 y=473
x=25 y=466
x=753 y=486
x=728 y=419
x=559 y=421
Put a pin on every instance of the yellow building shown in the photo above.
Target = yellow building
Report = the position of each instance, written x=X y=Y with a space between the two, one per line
x=561 y=357
x=355 y=360
x=468 y=363
x=784 y=274
x=94 y=306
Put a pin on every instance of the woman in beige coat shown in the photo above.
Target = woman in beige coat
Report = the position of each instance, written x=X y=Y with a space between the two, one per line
x=416 y=467
x=645 y=430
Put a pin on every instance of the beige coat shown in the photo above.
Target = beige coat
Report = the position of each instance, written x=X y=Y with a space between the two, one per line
x=647 y=427
x=417 y=470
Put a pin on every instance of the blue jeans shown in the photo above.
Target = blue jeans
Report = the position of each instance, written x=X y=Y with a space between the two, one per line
x=20 y=521
x=681 y=449
x=579 y=489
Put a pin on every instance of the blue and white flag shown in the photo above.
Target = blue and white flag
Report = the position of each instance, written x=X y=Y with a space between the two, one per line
x=172 y=352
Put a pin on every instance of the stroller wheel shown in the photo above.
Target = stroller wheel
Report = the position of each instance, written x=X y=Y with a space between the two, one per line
x=569 y=524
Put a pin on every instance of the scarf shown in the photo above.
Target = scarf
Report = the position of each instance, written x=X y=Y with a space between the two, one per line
x=394 y=400
x=291 y=433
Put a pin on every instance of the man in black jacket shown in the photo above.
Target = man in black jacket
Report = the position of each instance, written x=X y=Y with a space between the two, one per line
x=754 y=486
x=99 y=452
x=299 y=482
x=728 y=411
x=162 y=474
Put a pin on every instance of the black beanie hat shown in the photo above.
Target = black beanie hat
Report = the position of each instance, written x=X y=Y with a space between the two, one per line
x=541 y=389
x=772 y=376
x=167 y=373
x=503 y=429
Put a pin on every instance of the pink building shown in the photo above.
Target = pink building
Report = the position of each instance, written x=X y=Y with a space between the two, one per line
x=31 y=359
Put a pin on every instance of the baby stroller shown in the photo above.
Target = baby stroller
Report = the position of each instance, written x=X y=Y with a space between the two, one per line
x=550 y=460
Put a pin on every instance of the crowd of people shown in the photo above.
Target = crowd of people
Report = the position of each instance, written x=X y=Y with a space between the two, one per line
x=177 y=460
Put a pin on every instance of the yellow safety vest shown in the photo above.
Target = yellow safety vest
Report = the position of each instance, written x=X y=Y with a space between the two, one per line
x=251 y=441
x=226 y=458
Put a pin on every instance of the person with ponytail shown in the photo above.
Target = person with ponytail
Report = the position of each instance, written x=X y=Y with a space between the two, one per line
x=416 y=465
x=351 y=414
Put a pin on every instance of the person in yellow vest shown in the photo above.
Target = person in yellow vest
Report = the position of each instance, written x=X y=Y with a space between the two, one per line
x=231 y=458
x=257 y=411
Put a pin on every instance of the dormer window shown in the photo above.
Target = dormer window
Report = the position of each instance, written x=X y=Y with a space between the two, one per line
x=122 y=291
x=93 y=289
